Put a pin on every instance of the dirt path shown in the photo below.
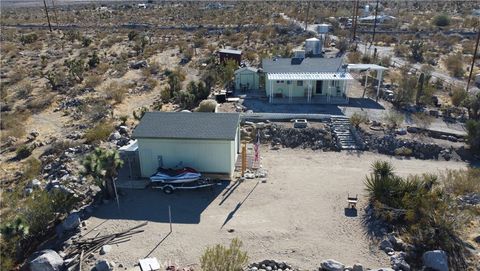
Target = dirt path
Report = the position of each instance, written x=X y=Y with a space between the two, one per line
x=297 y=216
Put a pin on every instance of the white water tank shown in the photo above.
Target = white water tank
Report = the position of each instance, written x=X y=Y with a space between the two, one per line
x=323 y=28
x=313 y=46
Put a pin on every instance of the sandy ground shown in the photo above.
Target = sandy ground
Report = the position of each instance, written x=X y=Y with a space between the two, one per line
x=297 y=216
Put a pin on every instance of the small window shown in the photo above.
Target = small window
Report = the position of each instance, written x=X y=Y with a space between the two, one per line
x=288 y=82
x=300 y=83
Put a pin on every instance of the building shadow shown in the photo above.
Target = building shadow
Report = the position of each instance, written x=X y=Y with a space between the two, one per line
x=152 y=205
x=263 y=106
x=351 y=212
x=366 y=103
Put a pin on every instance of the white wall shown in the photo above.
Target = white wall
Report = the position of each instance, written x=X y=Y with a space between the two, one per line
x=212 y=156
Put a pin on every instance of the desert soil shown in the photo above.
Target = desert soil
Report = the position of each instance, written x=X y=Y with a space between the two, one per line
x=297 y=216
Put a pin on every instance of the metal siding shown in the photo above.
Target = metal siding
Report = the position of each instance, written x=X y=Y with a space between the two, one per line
x=204 y=155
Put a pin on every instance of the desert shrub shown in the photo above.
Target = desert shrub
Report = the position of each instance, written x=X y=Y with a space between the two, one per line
x=403 y=151
x=420 y=207
x=92 y=81
x=23 y=90
x=458 y=96
x=116 y=91
x=16 y=75
x=354 y=57
x=138 y=114
x=102 y=67
x=473 y=135
x=94 y=60
x=441 y=20
x=23 y=151
x=222 y=258
x=76 y=68
x=31 y=168
x=86 y=41
x=99 y=132
x=461 y=182
x=40 y=103
x=422 y=120
x=358 y=118
x=58 y=147
x=28 y=38
x=123 y=119
x=207 y=106
x=72 y=35
x=185 y=99
x=11 y=124
x=454 y=64
x=393 y=119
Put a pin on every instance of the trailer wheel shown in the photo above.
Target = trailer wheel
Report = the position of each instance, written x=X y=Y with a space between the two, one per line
x=168 y=190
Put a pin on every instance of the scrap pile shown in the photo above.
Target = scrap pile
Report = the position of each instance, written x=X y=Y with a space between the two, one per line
x=85 y=248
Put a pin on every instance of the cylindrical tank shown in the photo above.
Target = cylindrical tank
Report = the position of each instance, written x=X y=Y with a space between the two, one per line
x=367 y=8
x=323 y=28
x=313 y=46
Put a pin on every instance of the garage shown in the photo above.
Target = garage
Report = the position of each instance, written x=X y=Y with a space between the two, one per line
x=208 y=142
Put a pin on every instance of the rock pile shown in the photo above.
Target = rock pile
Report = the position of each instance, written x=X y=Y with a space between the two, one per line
x=391 y=145
x=120 y=137
x=268 y=265
x=307 y=138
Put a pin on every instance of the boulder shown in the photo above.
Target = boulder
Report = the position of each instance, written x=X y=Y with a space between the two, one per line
x=103 y=265
x=105 y=249
x=46 y=260
x=139 y=64
x=114 y=136
x=331 y=265
x=71 y=222
x=436 y=260
x=357 y=267
x=386 y=245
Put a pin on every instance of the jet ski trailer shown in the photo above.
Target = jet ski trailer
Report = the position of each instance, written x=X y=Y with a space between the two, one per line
x=169 y=187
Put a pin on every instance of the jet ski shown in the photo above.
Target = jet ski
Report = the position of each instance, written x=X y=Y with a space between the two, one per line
x=168 y=175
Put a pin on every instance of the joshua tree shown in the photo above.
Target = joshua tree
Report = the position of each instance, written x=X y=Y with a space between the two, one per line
x=102 y=165
x=420 y=84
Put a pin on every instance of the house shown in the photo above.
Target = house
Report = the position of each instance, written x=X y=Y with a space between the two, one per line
x=306 y=80
x=230 y=54
x=247 y=79
x=380 y=19
x=208 y=142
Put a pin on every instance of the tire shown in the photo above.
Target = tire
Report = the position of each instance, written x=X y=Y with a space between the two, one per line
x=168 y=190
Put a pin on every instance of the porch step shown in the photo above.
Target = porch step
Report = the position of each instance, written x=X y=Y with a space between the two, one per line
x=341 y=128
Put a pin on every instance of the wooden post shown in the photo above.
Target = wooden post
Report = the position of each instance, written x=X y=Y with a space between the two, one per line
x=116 y=194
x=170 y=217
x=244 y=158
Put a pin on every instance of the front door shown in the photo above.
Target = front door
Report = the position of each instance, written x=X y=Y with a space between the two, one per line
x=319 y=86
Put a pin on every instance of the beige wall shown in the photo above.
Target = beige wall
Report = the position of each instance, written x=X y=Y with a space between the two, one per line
x=301 y=91
x=213 y=156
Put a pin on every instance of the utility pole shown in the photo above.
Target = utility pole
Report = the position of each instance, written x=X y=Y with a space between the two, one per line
x=48 y=18
x=473 y=60
x=55 y=13
x=355 y=16
x=306 y=17
x=374 y=23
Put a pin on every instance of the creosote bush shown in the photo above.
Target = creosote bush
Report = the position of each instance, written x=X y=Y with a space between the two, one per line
x=223 y=258
x=99 y=132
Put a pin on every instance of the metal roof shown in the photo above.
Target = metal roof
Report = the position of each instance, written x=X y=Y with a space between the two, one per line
x=366 y=67
x=230 y=51
x=309 y=64
x=252 y=69
x=185 y=125
x=339 y=76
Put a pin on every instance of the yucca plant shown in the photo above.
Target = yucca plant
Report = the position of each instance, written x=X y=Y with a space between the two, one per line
x=221 y=258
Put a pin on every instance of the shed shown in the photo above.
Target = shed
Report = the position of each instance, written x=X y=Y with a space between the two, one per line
x=230 y=54
x=208 y=142
x=247 y=78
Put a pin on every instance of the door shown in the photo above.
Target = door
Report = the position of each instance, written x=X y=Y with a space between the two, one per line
x=319 y=87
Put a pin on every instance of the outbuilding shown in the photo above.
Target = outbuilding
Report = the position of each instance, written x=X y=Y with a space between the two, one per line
x=247 y=79
x=208 y=142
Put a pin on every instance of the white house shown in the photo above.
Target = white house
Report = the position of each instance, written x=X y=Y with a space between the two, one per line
x=208 y=142
x=306 y=80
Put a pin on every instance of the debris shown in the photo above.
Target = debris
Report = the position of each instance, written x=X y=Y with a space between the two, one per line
x=71 y=222
x=105 y=249
x=86 y=247
x=103 y=265
x=139 y=64
x=149 y=264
